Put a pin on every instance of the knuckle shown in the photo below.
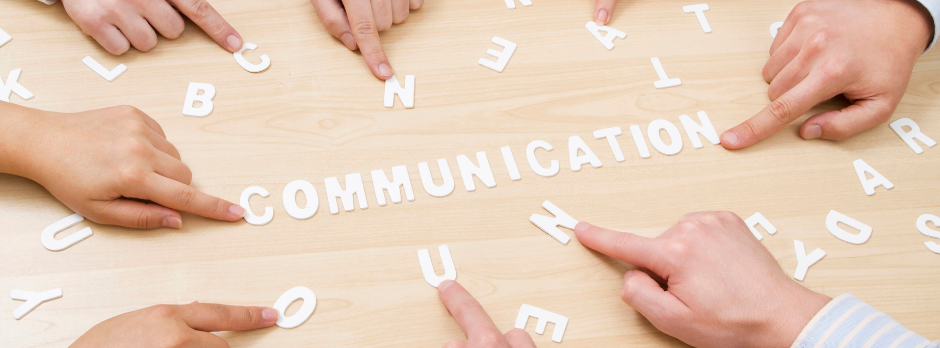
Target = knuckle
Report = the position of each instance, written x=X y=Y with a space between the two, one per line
x=162 y=311
x=130 y=176
x=200 y=10
x=186 y=198
x=143 y=220
x=819 y=40
x=779 y=111
x=678 y=248
x=364 y=28
x=178 y=338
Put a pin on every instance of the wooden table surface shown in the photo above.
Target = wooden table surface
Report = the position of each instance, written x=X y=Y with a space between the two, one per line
x=317 y=113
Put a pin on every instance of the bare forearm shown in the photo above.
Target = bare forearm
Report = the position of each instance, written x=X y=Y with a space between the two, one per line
x=15 y=122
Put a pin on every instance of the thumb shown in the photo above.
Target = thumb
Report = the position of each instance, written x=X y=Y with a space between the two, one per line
x=135 y=214
x=843 y=124
x=660 y=307
x=211 y=317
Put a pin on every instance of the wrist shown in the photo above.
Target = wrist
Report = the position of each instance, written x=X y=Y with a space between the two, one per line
x=18 y=126
x=923 y=22
x=794 y=310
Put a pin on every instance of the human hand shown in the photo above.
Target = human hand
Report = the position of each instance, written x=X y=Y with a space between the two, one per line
x=117 y=24
x=109 y=165
x=175 y=326
x=722 y=287
x=357 y=23
x=480 y=330
x=864 y=50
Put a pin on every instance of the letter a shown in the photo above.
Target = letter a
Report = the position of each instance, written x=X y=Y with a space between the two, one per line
x=193 y=96
x=877 y=179
x=608 y=39
x=407 y=94
x=550 y=225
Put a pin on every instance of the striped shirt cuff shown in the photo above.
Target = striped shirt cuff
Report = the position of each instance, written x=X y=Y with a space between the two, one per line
x=933 y=6
x=848 y=322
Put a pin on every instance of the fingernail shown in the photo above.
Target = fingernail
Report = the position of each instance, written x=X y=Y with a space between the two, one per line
x=385 y=71
x=172 y=222
x=729 y=138
x=581 y=227
x=236 y=211
x=445 y=284
x=813 y=132
x=349 y=41
x=601 y=17
x=269 y=315
x=234 y=42
x=628 y=275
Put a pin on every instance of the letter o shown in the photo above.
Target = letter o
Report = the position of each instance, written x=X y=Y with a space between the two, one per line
x=290 y=199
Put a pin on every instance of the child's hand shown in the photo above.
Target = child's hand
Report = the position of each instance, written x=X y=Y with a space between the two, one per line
x=720 y=287
x=175 y=326
x=864 y=49
x=359 y=24
x=111 y=166
x=480 y=330
x=117 y=24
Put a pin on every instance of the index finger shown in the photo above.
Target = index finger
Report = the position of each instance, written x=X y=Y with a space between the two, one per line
x=604 y=11
x=814 y=89
x=624 y=246
x=468 y=313
x=211 y=317
x=201 y=13
x=176 y=195
x=362 y=22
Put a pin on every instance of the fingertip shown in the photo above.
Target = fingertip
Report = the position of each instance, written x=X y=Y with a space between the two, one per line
x=582 y=227
x=601 y=17
x=349 y=41
x=269 y=316
x=444 y=285
x=729 y=140
x=384 y=71
x=236 y=211
x=809 y=132
x=172 y=222
x=234 y=42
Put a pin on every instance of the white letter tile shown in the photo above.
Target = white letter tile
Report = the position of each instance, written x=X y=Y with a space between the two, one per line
x=877 y=179
x=446 y=188
x=759 y=219
x=253 y=68
x=914 y=133
x=12 y=85
x=250 y=217
x=550 y=224
x=48 y=234
x=406 y=94
x=290 y=200
x=664 y=80
x=608 y=39
x=302 y=314
x=192 y=96
x=929 y=232
x=653 y=132
x=109 y=75
x=33 y=300
x=544 y=317
x=502 y=57
x=803 y=261
x=450 y=271
x=699 y=10
x=832 y=224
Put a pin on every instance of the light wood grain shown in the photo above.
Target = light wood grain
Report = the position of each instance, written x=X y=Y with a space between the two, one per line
x=317 y=113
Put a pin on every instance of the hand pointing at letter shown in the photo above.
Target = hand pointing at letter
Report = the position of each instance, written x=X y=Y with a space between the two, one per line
x=864 y=50
x=118 y=24
x=357 y=24
x=480 y=330
x=722 y=287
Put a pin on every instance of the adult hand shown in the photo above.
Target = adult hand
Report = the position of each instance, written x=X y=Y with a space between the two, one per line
x=113 y=166
x=175 y=326
x=117 y=24
x=480 y=330
x=864 y=50
x=722 y=287
x=357 y=24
